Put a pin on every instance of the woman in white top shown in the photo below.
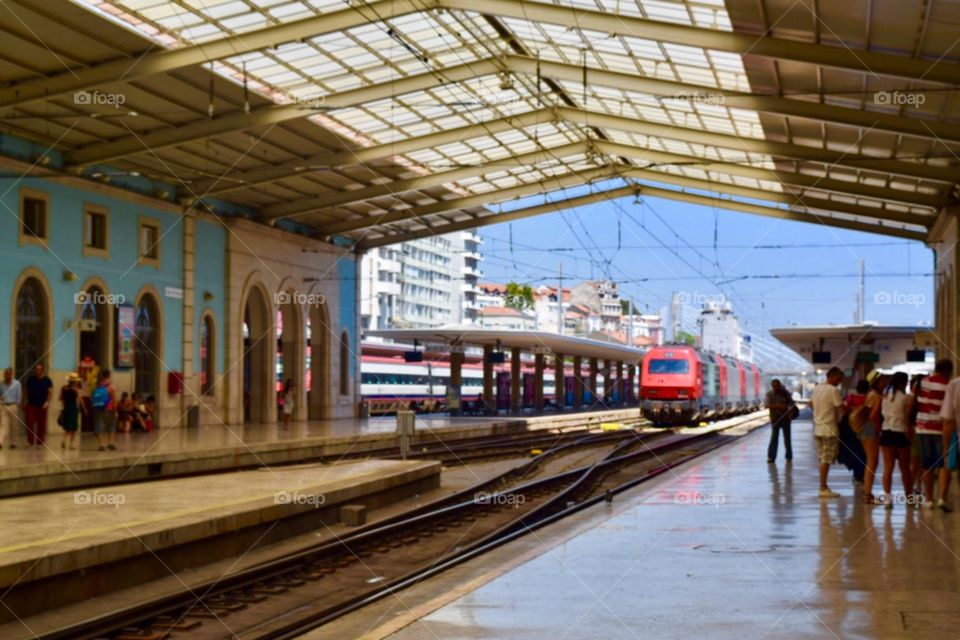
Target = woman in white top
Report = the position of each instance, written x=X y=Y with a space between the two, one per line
x=895 y=434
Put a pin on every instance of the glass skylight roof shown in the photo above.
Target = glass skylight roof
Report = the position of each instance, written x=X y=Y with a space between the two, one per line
x=433 y=43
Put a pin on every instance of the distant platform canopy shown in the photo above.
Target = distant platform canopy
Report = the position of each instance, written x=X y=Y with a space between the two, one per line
x=531 y=341
x=848 y=346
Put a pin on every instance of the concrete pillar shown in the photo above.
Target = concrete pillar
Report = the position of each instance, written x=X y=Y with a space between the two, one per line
x=607 y=381
x=621 y=386
x=488 y=399
x=631 y=393
x=456 y=376
x=538 y=382
x=559 y=382
x=578 y=382
x=191 y=383
x=516 y=378
x=592 y=382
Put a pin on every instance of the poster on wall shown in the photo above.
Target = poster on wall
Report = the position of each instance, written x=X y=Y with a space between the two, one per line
x=126 y=333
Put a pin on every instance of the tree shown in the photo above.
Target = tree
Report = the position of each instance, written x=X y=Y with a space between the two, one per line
x=519 y=297
x=683 y=337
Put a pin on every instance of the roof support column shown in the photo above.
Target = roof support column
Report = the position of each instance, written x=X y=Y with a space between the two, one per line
x=516 y=377
x=456 y=379
x=621 y=387
x=538 y=382
x=607 y=383
x=559 y=382
x=592 y=382
x=631 y=390
x=577 y=382
x=489 y=402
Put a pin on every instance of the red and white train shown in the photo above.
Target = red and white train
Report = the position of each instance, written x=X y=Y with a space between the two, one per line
x=680 y=384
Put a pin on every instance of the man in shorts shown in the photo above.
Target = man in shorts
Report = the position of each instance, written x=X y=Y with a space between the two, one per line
x=104 y=401
x=827 y=405
x=930 y=402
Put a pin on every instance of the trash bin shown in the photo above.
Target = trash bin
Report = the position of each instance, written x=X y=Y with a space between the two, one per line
x=193 y=416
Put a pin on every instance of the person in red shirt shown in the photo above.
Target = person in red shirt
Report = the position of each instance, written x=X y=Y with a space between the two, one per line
x=930 y=397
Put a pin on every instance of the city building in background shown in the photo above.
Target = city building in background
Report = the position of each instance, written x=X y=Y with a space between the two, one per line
x=422 y=283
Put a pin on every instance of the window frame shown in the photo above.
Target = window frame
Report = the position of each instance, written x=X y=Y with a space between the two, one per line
x=28 y=238
x=90 y=209
x=150 y=261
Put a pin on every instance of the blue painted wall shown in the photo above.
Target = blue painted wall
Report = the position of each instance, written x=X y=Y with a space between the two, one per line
x=119 y=271
x=210 y=277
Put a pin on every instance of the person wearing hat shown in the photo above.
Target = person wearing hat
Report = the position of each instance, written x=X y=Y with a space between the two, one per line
x=870 y=433
x=70 y=407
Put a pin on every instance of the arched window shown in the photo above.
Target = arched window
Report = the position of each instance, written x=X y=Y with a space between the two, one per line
x=207 y=352
x=31 y=327
x=344 y=364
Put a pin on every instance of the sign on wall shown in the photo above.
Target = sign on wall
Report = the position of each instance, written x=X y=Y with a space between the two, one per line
x=126 y=334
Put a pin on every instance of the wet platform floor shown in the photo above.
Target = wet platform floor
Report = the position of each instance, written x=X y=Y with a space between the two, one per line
x=726 y=547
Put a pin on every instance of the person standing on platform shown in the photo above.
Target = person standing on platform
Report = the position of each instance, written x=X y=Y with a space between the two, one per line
x=11 y=397
x=895 y=435
x=289 y=401
x=104 y=401
x=949 y=411
x=70 y=409
x=39 y=394
x=931 y=393
x=827 y=405
x=89 y=375
x=780 y=404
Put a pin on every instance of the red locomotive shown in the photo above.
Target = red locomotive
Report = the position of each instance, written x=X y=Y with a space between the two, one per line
x=680 y=384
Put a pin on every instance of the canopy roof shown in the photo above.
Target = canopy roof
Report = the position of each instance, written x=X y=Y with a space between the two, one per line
x=387 y=120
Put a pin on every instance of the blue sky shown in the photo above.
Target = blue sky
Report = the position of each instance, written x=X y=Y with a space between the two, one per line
x=762 y=265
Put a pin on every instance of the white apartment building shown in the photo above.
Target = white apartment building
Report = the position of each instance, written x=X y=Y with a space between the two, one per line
x=422 y=283
x=720 y=330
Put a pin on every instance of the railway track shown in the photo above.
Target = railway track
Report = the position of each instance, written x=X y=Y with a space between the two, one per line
x=286 y=597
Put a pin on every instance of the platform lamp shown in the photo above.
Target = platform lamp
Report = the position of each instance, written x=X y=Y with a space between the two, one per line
x=70 y=276
x=207 y=296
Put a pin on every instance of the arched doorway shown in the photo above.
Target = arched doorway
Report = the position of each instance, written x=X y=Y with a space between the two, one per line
x=208 y=369
x=258 y=391
x=31 y=338
x=318 y=348
x=147 y=346
x=95 y=326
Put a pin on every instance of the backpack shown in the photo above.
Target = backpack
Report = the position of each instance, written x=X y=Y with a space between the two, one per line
x=858 y=418
x=100 y=398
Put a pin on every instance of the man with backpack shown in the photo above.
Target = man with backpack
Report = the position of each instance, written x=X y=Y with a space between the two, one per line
x=104 y=402
x=780 y=404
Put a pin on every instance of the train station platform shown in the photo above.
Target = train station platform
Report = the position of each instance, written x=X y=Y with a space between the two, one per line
x=70 y=546
x=725 y=547
x=177 y=452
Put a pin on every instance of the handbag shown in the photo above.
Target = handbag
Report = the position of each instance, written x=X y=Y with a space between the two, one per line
x=60 y=420
x=794 y=412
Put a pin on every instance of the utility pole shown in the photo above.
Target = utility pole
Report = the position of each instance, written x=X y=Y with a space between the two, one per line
x=630 y=324
x=560 y=300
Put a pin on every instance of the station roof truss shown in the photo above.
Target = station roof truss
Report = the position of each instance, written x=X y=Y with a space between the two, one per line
x=390 y=120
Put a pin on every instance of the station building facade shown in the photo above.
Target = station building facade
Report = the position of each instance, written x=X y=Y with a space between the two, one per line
x=203 y=309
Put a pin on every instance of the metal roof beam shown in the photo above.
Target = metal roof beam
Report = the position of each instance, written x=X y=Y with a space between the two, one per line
x=840 y=57
x=270 y=115
x=799 y=181
x=567 y=180
x=363 y=155
x=151 y=61
x=398 y=187
x=949 y=175
x=682 y=91
x=623 y=192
